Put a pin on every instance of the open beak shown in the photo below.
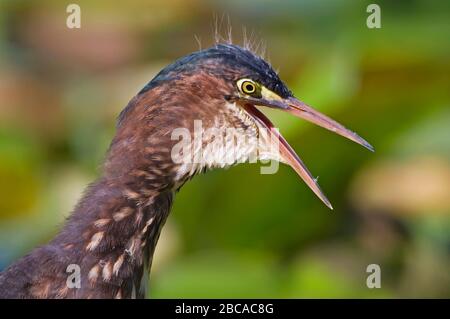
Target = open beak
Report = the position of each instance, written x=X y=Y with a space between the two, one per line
x=287 y=154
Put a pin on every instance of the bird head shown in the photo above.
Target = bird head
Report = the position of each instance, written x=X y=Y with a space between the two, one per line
x=224 y=86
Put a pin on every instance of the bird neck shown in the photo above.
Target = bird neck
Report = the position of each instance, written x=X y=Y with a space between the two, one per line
x=114 y=229
x=113 y=232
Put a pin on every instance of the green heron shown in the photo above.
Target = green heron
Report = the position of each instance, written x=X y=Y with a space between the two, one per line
x=112 y=232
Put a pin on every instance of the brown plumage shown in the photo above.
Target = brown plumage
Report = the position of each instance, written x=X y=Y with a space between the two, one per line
x=112 y=233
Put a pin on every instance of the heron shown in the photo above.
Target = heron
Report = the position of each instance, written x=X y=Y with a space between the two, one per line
x=112 y=232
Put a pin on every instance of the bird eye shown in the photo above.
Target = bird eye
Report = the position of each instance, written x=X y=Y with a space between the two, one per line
x=248 y=87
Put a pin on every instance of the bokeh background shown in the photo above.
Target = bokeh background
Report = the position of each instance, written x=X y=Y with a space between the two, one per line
x=238 y=233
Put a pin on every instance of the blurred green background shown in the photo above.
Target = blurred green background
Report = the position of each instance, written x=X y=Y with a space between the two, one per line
x=238 y=233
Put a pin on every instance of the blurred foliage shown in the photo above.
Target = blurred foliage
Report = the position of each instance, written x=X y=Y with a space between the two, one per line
x=237 y=233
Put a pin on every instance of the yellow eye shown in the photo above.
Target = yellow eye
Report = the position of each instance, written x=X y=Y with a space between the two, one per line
x=248 y=87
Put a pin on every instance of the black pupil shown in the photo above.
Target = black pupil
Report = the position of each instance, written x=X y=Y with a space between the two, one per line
x=249 y=87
